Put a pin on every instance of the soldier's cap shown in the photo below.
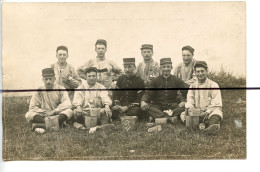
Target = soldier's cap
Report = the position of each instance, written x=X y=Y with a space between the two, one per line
x=147 y=46
x=129 y=61
x=62 y=47
x=48 y=72
x=189 y=48
x=101 y=41
x=165 y=61
x=94 y=69
x=201 y=64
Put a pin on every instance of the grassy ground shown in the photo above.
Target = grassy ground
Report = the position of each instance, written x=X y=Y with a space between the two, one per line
x=173 y=142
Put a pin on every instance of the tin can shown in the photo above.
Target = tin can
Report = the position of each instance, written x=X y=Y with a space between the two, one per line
x=52 y=123
x=156 y=128
x=161 y=120
x=128 y=123
x=90 y=121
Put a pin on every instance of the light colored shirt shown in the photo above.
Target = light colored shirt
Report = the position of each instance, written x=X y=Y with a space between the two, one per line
x=209 y=99
x=148 y=70
x=91 y=96
x=104 y=78
x=67 y=76
x=186 y=73
x=43 y=101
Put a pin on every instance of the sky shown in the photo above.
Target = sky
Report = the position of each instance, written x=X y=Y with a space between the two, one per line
x=31 y=33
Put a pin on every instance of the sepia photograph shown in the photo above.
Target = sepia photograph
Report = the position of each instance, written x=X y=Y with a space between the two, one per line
x=124 y=81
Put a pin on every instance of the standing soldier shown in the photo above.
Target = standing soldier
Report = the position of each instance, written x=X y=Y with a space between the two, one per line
x=148 y=69
x=164 y=97
x=126 y=100
x=65 y=73
x=108 y=69
x=185 y=69
x=207 y=98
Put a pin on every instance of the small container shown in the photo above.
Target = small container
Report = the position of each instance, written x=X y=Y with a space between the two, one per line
x=104 y=118
x=90 y=121
x=159 y=121
x=128 y=123
x=52 y=123
x=156 y=128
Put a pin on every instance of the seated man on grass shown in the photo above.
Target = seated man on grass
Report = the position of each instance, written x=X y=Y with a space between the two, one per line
x=126 y=100
x=163 y=94
x=91 y=95
x=50 y=101
x=207 y=98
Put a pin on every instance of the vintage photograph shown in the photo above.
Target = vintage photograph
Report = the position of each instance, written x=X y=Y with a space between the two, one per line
x=124 y=81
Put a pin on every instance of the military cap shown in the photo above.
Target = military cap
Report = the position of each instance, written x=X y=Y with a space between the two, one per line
x=91 y=69
x=62 y=47
x=189 y=48
x=147 y=46
x=128 y=61
x=48 y=72
x=201 y=64
x=165 y=60
x=101 y=41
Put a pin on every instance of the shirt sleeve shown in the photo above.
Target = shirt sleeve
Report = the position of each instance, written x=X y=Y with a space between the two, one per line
x=116 y=93
x=190 y=98
x=149 y=93
x=78 y=97
x=81 y=69
x=184 y=90
x=116 y=69
x=140 y=92
x=35 y=104
x=75 y=81
x=216 y=100
x=65 y=102
x=104 y=96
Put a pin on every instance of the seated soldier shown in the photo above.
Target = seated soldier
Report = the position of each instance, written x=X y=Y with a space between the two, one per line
x=48 y=103
x=127 y=101
x=208 y=100
x=91 y=95
x=164 y=98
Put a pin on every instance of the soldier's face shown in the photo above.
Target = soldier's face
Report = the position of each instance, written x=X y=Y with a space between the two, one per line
x=147 y=54
x=129 y=70
x=62 y=56
x=91 y=78
x=166 y=69
x=201 y=73
x=49 y=81
x=101 y=50
x=187 y=56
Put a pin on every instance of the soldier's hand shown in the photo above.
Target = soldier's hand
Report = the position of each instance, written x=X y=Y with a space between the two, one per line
x=144 y=105
x=116 y=107
x=79 y=111
x=182 y=104
x=50 y=113
x=108 y=111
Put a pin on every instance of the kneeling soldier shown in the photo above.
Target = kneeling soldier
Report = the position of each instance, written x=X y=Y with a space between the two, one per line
x=127 y=99
x=52 y=101
x=207 y=100
x=91 y=95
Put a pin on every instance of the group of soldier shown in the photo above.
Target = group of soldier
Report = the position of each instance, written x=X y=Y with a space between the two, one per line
x=148 y=91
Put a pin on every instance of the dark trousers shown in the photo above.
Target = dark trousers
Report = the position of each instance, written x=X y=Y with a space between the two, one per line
x=156 y=111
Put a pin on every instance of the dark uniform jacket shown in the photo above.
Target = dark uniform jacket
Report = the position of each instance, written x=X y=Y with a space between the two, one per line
x=126 y=96
x=163 y=95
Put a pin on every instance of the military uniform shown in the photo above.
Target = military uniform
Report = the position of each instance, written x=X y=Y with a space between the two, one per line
x=127 y=97
x=163 y=98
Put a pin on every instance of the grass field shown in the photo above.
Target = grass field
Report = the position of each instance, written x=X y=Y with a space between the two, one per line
x=173 y=142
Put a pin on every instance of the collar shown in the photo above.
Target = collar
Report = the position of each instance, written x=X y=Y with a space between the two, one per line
x=99 y=59
x=203 y=82
x=170 y=76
